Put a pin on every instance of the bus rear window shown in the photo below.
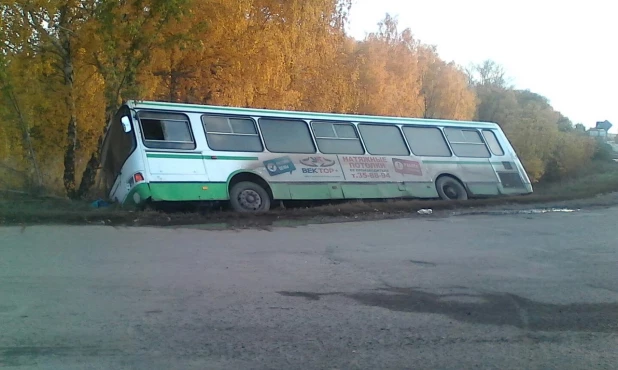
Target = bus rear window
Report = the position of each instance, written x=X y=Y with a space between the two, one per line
x=166 y=131
x=493 y=142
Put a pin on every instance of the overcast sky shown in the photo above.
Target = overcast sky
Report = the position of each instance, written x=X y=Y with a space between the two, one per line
x=564 y=50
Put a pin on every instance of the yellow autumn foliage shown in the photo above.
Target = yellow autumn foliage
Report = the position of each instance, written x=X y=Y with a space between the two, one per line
x=275 y=54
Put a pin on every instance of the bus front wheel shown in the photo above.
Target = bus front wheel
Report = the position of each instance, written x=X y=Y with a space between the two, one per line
x=248 y=196
x=450 y=188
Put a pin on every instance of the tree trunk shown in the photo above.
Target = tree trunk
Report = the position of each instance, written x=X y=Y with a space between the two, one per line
x=27 y=139
x=92 y=168
x=69 y=157
x=69 y=154
x=90 y=173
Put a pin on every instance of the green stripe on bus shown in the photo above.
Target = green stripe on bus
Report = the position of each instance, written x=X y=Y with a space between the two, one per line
x=174 y=156
x=457 y=162
x=199 y=156
x=188 y=191
x=204 y=191
x=179 y=191
x=466 y=162
x=230 y=158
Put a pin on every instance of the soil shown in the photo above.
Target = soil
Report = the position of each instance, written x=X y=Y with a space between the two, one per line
x=31 y=211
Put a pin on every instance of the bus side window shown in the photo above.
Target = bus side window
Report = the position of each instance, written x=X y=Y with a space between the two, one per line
x=337 y=138
x=383 y=140
x=492 y=141
x=234 y=134
x=467 y=143
x=286 y=136
x=427 y=141
x=166 y=131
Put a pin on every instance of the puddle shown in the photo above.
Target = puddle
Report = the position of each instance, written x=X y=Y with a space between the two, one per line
x=517 y=211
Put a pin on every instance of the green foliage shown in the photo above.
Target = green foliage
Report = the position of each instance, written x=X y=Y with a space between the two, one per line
x=565 y=124
x=603 y=151
x=571 y=154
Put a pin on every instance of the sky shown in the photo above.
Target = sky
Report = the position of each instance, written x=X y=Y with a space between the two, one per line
x=564 y=50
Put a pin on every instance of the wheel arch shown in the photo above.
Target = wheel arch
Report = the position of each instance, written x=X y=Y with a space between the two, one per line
x=240 y=176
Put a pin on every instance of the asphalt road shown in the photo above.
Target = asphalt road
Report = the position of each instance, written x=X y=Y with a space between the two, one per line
x=486 y=292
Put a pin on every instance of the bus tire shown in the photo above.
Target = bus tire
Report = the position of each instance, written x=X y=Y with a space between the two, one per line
x=247 y=196
x=449 y=188
x=147 y=206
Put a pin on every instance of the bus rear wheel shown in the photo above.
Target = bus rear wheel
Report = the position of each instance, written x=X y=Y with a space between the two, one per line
x=247 y=196
x=450 y=188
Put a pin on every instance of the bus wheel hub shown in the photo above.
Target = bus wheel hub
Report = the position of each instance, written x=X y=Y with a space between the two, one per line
x=451 y=192
x=250 y=199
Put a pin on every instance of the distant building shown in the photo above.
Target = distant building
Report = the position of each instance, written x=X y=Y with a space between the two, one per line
x=601 y=130
x=601 y=133
x=597 y=132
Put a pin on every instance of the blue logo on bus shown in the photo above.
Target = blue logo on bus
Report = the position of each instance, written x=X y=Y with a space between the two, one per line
x=279 y=165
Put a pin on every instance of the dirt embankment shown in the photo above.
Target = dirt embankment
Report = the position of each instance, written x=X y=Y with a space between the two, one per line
x=598 y=187
x=37 y=211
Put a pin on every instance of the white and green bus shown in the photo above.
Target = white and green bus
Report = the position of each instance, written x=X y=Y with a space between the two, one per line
x=169 y=152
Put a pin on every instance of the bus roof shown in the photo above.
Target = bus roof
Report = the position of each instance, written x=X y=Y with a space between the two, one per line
x=197 y=108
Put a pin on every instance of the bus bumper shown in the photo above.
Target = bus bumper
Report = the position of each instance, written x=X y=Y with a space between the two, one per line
x=139 y=195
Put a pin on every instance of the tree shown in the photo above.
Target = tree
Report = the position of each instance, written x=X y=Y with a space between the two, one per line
x=445 y=90
x=487 y=73
x=389 y=79
x=53 y=28
x=67 y=65
x=14 y=112
x=544 y=138
x=565 y=124
x=123 y=37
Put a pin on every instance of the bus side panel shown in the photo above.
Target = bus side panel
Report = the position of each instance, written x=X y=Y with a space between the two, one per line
x=343 y=176
x=420 y=190
x=475 y=174
x=188 y=191
x=314 y=191
x=479 y=176
x=176 y=167
x=373 y=191
x=437 y=166
x=319 y=176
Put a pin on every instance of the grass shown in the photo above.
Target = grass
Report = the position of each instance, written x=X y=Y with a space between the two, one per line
x=21 y=209
x=598 y=178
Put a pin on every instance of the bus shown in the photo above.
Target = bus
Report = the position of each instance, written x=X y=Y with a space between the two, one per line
x=158 y=152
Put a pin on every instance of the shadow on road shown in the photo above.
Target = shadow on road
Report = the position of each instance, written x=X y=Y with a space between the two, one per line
x=489 y=308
